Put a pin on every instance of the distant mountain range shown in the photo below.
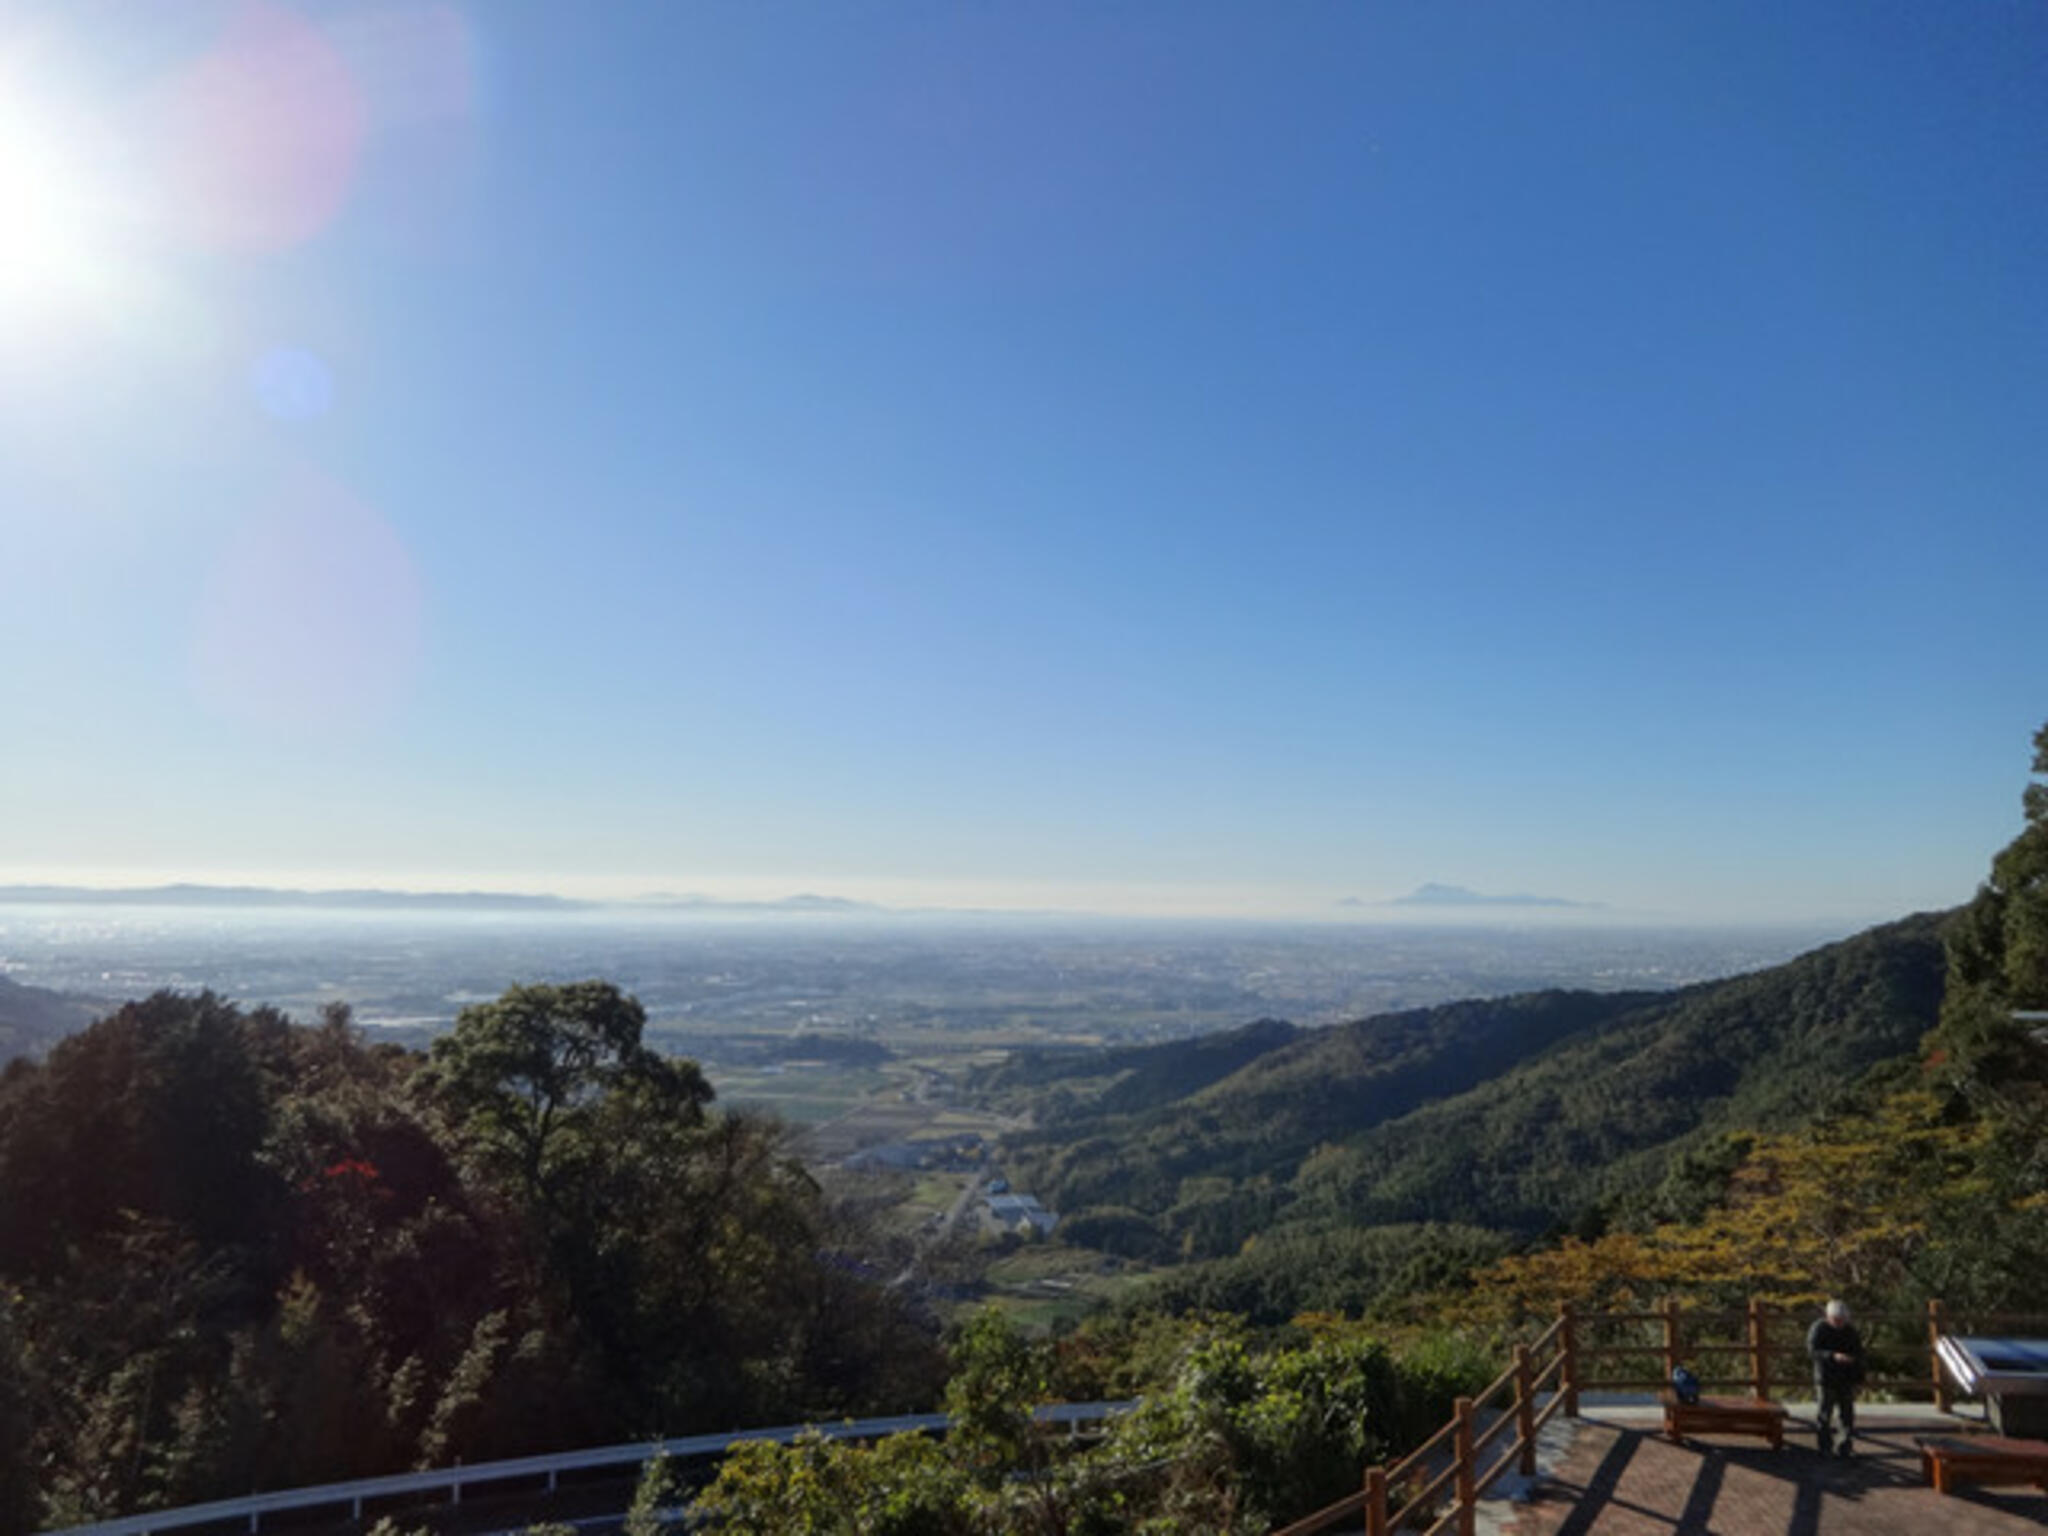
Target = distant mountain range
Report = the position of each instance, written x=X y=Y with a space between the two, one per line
x=187 y=895
x=1434 y=895
x=804 y=901
x=263 y=896
x=193 y=894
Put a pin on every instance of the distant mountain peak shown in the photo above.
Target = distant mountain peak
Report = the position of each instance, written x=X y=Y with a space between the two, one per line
x=1433 y=894
x=803 y=901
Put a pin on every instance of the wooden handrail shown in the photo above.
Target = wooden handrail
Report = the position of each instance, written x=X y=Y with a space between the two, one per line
x=1422 y=1496
x=1505 y=1379
x=1485 y=1437
x=1552 y=1363
x=1407 y=1464
x=1467 y=1472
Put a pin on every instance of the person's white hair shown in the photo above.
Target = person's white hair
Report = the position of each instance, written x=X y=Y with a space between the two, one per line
x=1838 y=1311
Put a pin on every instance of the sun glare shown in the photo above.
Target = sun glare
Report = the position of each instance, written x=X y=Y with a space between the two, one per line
x=53 y=243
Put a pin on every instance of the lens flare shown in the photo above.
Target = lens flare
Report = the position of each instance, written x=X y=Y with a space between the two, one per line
x=292 y=384
x=261 y=138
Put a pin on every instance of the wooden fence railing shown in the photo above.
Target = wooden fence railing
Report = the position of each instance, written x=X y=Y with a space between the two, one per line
x=1757 y=1349
x=1761 y=1350
x=1453 y=1461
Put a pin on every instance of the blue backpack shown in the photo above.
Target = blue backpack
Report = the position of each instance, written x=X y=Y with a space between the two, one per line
x=1685 y=1385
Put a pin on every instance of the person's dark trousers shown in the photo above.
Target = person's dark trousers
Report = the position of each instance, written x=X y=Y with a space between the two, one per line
x=1836 y=1399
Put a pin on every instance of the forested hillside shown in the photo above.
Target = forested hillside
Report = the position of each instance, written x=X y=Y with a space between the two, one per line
x=1514 y=1114
x=237 y=1253
x=1927 y=1178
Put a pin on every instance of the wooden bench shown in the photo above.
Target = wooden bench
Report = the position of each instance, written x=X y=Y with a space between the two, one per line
x=1996 y=1459
x=1724 y=1416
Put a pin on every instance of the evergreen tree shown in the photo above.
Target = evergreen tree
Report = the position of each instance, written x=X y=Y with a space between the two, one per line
x=1998 y=973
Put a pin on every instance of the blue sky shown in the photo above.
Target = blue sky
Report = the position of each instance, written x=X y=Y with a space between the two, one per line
x=1170 y=457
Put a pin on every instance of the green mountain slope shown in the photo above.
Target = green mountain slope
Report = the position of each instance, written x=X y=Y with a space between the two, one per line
x=1261 y=1120
x=1603 y=1115
x=1510 y=1113
x=1087 y=1085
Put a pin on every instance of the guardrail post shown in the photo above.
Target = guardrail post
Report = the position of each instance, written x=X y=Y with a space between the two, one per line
x=1467 y=1481
x=1937 y=1325
x=1525 y=1412
x=1669 y=1310
x=1568 y=1342
x=1759 y=1351
x=1375 y=1501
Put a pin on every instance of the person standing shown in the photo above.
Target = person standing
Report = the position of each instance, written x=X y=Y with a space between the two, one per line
x=1836 y=1349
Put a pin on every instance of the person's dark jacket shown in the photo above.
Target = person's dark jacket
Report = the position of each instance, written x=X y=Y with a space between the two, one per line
x=1825 y=1340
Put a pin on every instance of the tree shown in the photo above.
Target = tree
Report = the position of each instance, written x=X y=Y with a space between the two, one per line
x=18 y=1501
x=523 y=1076
x=159 y=1110
x=1848 y=1207
x=1998 y=967
x=2002 y=943
x=902 y=1485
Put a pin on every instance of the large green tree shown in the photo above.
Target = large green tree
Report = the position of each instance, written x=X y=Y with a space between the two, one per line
x=1997 y=975
x=1999 y=946
x=160 y=1110
x=690 y=1250
x=529 y=1077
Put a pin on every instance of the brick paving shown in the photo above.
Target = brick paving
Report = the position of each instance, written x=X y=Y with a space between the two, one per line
x=1619 y=1476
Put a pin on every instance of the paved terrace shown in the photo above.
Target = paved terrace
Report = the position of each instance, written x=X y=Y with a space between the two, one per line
x=1614 y=1473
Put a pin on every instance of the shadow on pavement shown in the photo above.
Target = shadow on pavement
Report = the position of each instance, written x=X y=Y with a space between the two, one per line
x=1683 y=1501
x=1600 y=1488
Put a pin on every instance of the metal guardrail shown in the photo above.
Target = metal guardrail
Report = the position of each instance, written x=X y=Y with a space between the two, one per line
x=253 y=1507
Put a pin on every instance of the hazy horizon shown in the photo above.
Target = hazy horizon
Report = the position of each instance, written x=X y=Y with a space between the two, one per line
x=899 y=899
x=1028 y=978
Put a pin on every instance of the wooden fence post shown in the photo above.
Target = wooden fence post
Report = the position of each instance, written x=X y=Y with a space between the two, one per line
x=1937 y=1325
x=1670 y=1311
x=1375 y=1501
x=1759 y=1351
x=1525 y=1412
x=1568 y=1341
x=1467 y=1481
